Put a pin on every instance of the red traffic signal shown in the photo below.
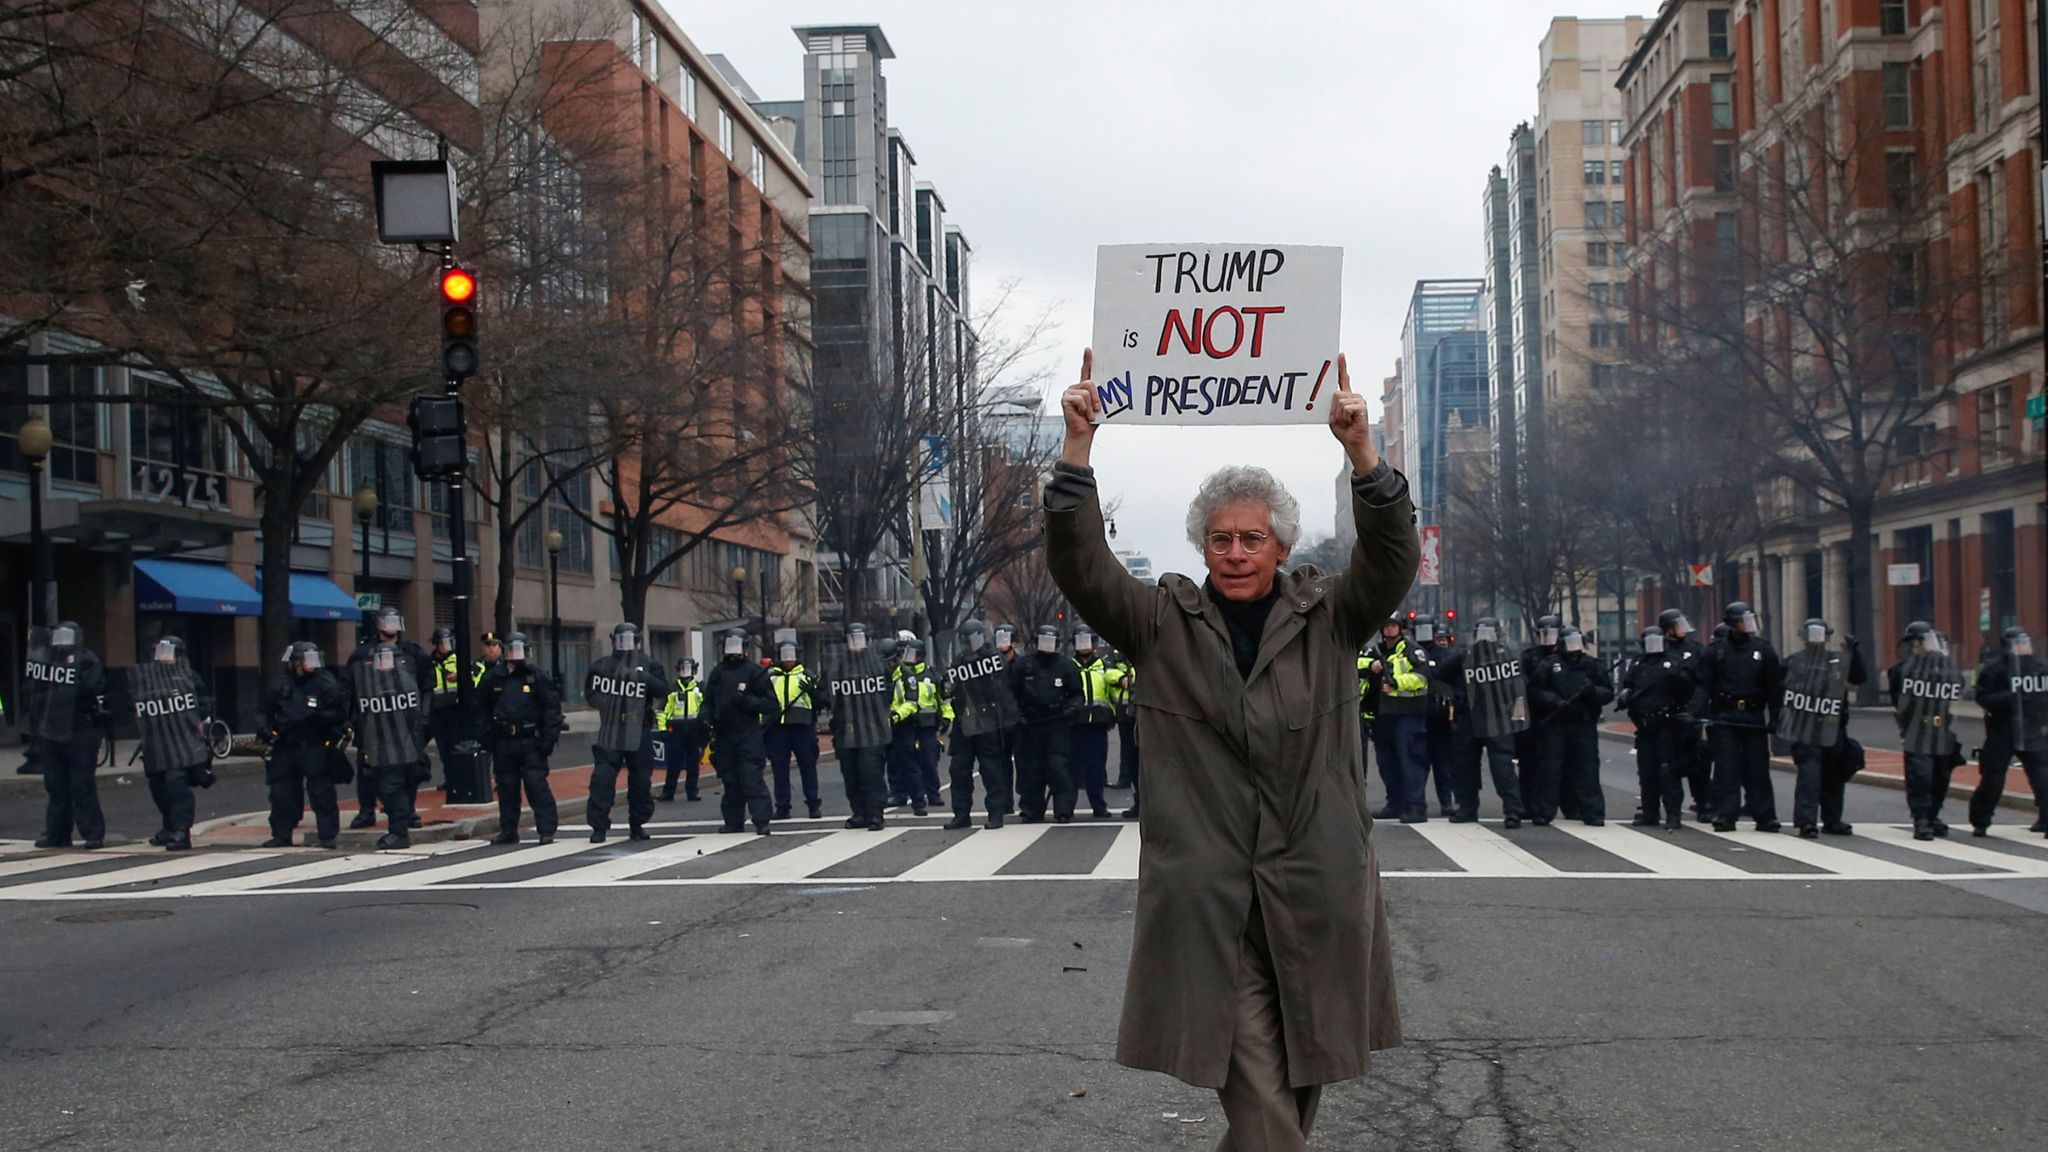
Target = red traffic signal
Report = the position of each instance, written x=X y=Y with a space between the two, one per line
x=1451 y=615
x=457 y=285
x=1411 y=615
x=459 y=357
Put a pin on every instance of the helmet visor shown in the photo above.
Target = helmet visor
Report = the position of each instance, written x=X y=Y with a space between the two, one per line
x=166 y=652
x=1486 y=634
x=1653 y=644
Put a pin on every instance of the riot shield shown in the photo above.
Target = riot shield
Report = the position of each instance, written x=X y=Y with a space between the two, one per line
x=2029 y=703
x=391 y=715
x=1496 y=699
x=1929 y=688
x=619 y=688
x=168 y=717
x=1815 y=687
x=51 y=707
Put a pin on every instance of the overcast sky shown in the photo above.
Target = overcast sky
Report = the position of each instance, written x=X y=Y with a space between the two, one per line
x=1052 y=126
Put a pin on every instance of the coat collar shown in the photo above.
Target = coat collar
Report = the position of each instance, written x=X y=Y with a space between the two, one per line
x=1300 y=592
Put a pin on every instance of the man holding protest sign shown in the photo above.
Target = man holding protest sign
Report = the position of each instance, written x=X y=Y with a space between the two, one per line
x=1254 y=875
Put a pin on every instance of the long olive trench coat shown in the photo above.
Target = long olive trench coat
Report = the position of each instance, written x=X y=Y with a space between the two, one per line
x=1252 y=787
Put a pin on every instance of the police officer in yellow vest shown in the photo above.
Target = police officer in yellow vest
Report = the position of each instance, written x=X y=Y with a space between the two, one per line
x=1400 y=725
x=794 y=732
x=1123 y=687
x=443 y=717
x=916 y=710
x=687 y=730
x=1090 y=731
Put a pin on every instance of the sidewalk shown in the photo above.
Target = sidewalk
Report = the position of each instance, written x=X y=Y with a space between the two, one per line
x=1884 y=767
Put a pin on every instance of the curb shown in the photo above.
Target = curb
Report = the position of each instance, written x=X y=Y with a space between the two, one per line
x=2010 y=800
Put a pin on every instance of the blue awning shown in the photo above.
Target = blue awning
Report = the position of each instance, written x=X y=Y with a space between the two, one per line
x=316 y=597
x=195 y=589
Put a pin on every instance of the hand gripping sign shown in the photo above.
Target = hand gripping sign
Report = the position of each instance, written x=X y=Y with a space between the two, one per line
x=1216 y=333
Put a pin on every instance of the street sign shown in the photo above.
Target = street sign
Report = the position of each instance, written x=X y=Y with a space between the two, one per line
x=369 y=601
x=1902 y=575
x=1431 y=571
x=1983 y=609
x=2037 y=408
x=1699 y=575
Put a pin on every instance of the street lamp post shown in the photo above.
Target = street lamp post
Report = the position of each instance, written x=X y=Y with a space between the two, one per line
x=739 y=591
x=553 y=541
x=365 y=501
x=34 y=440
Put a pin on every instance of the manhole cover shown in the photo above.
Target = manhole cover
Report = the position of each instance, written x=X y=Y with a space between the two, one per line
x=403 y=908
x=112 y=916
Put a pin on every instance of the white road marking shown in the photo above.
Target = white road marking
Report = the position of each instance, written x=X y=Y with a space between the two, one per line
x=1121 y=861
x=1839 y=861
x=1479 y=851
x=477 y=865
x=171 y=869
x=323 y=867
x=808 y=859
x=1652 y=849
x=639 y=863
x=981 y=855
x=1960 y=851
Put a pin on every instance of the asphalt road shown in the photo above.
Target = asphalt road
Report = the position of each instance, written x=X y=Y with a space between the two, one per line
x=1570 y=1014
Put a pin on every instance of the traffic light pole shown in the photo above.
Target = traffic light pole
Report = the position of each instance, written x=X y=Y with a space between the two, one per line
x=475 y=785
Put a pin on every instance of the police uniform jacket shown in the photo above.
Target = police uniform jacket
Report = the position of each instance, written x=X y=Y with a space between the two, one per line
x=1742 y=682
x=1047 y=688
x=1571 y=687
x=739 y=699
x=521 y=708
x=307 y=711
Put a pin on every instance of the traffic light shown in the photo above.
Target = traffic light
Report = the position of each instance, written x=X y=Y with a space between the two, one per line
x=458 y=322
x=1452 y=615
x=440 y=449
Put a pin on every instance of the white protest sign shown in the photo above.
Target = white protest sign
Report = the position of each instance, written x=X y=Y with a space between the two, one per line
x=1216 y=333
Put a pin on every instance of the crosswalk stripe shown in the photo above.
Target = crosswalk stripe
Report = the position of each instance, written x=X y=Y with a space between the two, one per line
x=1961 y=853
x=981 y=855
x=1653 y=850
x=322 y=868
x=169 y=869
x=1121 y=861
x=639 y=863
x=29 y=864
x=1839 y=861
x=1478 y=851
x=816 y=856
x=474 y=866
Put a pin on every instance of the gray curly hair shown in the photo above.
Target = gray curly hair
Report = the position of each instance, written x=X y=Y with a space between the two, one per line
x=1243 y=483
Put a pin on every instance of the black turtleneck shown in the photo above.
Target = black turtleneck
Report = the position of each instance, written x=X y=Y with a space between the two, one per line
x=1246 y=622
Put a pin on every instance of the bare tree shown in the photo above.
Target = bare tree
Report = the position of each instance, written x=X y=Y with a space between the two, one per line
x=1809 y=320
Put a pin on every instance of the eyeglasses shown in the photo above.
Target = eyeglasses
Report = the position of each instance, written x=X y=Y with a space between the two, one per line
x=1220 y=542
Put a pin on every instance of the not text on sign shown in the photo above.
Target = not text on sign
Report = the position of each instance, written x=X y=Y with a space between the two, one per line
x=1216 y=333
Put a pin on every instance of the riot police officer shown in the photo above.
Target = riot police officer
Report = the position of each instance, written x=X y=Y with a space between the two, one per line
x=1489 y=705
x=391 y=731
x=1124 y=680
x=1656 y=692
x=1399 y=725
x=390 y=629
x=1090 y=731
x=1742 y=678
x=916 y=710
x=65 y=702
x=171 y=708
x=1813 y=715
x=1696 y=761
x=1569 y=690
x=444 y=716
x=1925 y=686
x=1432 y=649
x=1047 y=688
x=682 y=718
x=625 y=687
x=793 y=731
x=985 y=719
x=1528 y=739
x=2012 y=688
x=858 y=694
x=521 y=709
x=740 y=700
x=303 y=720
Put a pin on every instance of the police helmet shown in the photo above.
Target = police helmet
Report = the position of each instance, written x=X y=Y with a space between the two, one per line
x=1720 y=631
x=1048 y=638
x=2011 y=634
x=625 y=637
x=734 y=642
x=886 y=647
x=67 y=634
x=1672 y=618
x=1652 y=641
x=303 y=655
x=1917 y=630
x=1572 y=640
x=515 y=647
x=447 y=636
x=973 y=634
x=169 y=650
x=1736 y=610
x=1486 y=630
x=389 y=620
x=1006 y=635
x=911 y=650
x=1815 y=631
x=1424 y=627
x=1084 y=640
x=686 y=668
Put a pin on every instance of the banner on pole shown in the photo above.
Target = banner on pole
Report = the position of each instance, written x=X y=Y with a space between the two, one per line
x=1699 y=575
x=1431 y=570
x=1216 y=333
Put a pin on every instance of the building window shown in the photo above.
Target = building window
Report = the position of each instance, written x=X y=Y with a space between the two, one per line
x=1906 y=362
x=725 y=132
x=74 y=426
x=1596 y=213
x=1905 y=283
x=636 y=30
x=1994 y=424
x=1592 y=133
x=1891 y=17
x=1596 y=255
x=1987 y=78
x=686 y=90
x=1596 y=171
x=385 y=467
x=2001 y=570
x=1614 y=131
x=178 y=438
x=1614 y=176
x=1605 y=335
x=561 y=514
x=1599 y=295
x=654 y=57
x=1727 y=232
x=1605 y=376
x=1898 y=95
x=1722 y=89
x=1902 y=181
x=1724 y=166
x=1717 y=34
x=1991 y=253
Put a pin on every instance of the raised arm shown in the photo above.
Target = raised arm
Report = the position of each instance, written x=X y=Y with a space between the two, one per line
x=1384 y=559
x=1076 y=550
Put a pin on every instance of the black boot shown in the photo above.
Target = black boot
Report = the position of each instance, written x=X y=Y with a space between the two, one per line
x=365 y=818
x=1838 y=828
x=1416 y=816
x=957 y=823
x=856 y=821
x=160 y=838
x=278 y=842
x=392 y=840
x=505 y=838
x=181 y=842
x=638 y=833
x=995 y=820
x=782 y=813
x=1922 y=829
x=817 y=811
